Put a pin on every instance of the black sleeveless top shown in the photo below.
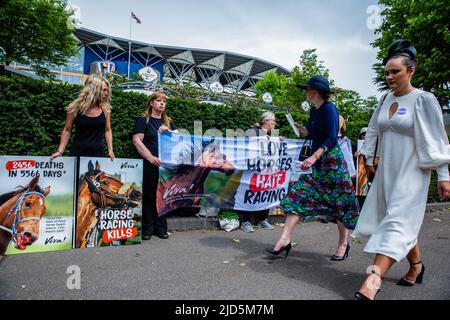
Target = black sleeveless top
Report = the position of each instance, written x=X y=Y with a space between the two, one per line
x=89 y=137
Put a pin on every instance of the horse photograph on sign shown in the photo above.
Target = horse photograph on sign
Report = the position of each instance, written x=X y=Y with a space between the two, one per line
x=183 y=185
x=109 y=204
x=20 y=213
x=36 y=204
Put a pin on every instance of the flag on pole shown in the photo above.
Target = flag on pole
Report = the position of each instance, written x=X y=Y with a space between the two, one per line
x=135 y=18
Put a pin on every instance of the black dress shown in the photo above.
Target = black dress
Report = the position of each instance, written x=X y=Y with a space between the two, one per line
x=151 y=223
x=89 y=137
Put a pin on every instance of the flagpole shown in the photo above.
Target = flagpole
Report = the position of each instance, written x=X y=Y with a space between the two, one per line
x=129 y=47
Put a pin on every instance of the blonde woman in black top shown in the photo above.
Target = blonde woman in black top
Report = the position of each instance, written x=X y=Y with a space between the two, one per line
x=90 y=112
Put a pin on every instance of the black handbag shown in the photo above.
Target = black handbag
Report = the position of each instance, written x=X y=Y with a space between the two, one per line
x=305 y=151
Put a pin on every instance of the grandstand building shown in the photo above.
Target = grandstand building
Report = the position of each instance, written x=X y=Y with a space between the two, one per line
x=98 y=52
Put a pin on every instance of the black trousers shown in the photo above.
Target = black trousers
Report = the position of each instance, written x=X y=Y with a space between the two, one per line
x=151 y=223
x=257 y=216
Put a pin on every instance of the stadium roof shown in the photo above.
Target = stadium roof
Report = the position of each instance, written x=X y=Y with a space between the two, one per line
x=236 y=72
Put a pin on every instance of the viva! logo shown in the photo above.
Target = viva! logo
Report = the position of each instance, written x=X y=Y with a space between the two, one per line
x=261 y=182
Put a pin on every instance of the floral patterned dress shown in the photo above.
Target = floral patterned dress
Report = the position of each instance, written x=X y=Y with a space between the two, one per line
x=328 y=192
x=325 y=194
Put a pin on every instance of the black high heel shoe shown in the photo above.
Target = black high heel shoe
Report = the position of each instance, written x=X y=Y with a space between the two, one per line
x=406 y=283
x=338 y=258
x=360 y=296
x=286 y=248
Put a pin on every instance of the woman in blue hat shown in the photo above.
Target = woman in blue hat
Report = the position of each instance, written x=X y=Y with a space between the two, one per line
x=408 y=127
x=327 y=193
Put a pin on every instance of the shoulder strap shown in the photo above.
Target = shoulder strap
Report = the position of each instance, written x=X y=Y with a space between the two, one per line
x=382 y=101
x=384 y=97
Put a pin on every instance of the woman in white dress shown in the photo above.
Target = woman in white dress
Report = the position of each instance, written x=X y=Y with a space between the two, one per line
x=412 y=141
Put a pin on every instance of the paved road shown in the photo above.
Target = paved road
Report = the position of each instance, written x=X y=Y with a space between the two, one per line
x=209 y=264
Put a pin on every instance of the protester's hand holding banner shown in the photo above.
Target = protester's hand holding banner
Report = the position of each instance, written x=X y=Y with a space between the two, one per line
x=36 y=204
x=109 y=202
x=245 y=173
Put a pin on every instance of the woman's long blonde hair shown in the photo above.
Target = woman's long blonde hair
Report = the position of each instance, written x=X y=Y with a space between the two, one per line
x=90 y=96
x=148 y=108
x=342 y=126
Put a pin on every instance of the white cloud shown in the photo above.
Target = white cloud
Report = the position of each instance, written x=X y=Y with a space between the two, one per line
x=349 y=60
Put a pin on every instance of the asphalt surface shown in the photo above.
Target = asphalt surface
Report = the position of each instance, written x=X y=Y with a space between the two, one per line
x=213 y=264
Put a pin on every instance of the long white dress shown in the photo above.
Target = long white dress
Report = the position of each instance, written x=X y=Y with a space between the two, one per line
x=411 y=144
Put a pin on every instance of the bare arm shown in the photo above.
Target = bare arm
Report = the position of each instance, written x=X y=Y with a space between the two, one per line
x=109 y=136
x=65 y=136
x=143 y=151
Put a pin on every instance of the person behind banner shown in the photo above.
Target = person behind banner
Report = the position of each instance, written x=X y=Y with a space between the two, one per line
x=361 y=182
x=90 y=112
x=263 y=128
x=408 y=125
x=342 y=128
x=361 y=136
x=145 y=140
x=328 y=192
x=346 y=147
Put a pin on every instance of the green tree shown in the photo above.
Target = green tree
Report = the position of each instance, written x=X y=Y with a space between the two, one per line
x=309 y=65
x=425 y=24
x=352 y=107
x=348 y=103
x=355 y=110
x=36 y=33
x=283 y=88
x=275 y=84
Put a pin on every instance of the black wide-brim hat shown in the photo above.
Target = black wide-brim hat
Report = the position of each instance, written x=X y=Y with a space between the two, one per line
x=316 y=82
x=400 y=48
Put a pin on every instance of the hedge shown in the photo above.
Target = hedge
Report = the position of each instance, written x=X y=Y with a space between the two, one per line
x=33 y=115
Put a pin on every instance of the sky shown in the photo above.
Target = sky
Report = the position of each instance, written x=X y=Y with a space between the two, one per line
x=276 y=31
